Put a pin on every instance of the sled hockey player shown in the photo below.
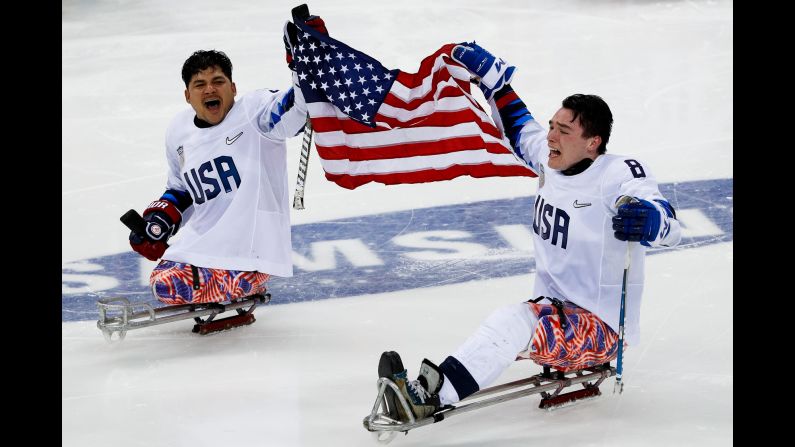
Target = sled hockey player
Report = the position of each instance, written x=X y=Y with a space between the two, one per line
x=590 y=206
x=227 y=189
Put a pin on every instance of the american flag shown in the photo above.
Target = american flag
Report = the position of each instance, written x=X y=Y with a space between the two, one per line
x=373 y=124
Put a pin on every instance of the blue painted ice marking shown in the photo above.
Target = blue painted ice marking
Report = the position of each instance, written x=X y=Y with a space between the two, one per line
x=401 y=250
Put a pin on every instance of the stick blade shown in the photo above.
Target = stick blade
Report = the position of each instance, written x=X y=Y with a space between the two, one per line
x=300 y=12
x=298 y=202
x=132 y=220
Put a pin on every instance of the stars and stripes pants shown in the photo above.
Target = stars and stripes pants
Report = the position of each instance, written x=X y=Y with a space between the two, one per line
x=526 y=331
x=175 y=283
x=586 y=340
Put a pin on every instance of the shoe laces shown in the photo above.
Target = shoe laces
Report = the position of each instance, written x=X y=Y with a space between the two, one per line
x=418 y=391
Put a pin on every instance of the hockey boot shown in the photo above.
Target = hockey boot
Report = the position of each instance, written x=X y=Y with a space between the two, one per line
x=389 y=365
x=421 y=394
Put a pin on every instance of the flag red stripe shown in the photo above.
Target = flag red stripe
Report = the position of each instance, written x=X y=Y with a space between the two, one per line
x=448 y=91
x=455 y=144
x=431 y=175
x=446 y=119
x=396 y=139
x=412 y=80
x=459 y=89
x=438 y=119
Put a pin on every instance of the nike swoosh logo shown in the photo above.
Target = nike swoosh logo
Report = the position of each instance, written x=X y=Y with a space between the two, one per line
x=232 y=140
x=580 y=205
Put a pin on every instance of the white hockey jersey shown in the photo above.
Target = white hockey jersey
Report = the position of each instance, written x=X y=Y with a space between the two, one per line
x=236 y=174
x=577 y=256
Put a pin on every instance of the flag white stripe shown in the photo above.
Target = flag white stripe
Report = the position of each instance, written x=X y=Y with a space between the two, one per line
x=403 y=136
x=407 y=94
x=448 y=104
x=418 y=163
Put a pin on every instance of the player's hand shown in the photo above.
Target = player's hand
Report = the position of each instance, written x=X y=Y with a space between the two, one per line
x=317 y=24
x=493 y=72
x=637 y=220
x=149 y=250
x=162 y=221
x=290 y=37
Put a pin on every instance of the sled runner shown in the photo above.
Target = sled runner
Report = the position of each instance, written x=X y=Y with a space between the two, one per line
x=118 y=315
x=549 y=384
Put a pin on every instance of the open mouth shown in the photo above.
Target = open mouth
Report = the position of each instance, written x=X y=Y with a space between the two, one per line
x=553 y=153
x=212 y=104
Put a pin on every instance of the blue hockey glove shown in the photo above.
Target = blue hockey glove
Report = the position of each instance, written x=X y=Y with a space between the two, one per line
x=492 y=71
x=637 y=221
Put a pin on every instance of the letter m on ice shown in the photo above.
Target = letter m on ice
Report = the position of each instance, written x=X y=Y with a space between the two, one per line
x=323 y=255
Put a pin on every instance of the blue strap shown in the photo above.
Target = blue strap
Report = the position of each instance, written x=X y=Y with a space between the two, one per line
x=181 y=199
x=462 y=380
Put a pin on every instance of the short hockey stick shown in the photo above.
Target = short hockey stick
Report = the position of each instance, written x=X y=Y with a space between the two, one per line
x=301 y=12
x=619 y=384
x=298 y=199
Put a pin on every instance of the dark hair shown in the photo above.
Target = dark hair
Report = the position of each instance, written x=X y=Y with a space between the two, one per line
x=595 y=116
x=204 y=59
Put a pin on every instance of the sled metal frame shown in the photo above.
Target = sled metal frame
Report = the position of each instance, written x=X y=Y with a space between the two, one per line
x=118 y=315
x=549 y=385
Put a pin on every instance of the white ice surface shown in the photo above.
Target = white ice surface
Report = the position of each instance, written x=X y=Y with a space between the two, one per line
x=304 y=374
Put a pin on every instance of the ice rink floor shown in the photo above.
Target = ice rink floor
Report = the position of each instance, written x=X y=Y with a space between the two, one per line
x=304 y=374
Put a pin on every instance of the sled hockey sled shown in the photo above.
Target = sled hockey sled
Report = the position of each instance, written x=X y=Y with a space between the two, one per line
x=549 y=384
x=118 y=315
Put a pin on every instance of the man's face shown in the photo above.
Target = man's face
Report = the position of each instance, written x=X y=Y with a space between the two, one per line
x=567 y=146
x=211 y=94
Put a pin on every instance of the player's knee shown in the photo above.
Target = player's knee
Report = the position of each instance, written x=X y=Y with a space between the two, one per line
x=509 y=316
x=512 y=325
x=167 y=292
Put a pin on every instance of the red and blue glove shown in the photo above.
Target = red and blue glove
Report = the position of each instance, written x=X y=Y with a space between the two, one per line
x=291 y=33
x=162 y=221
